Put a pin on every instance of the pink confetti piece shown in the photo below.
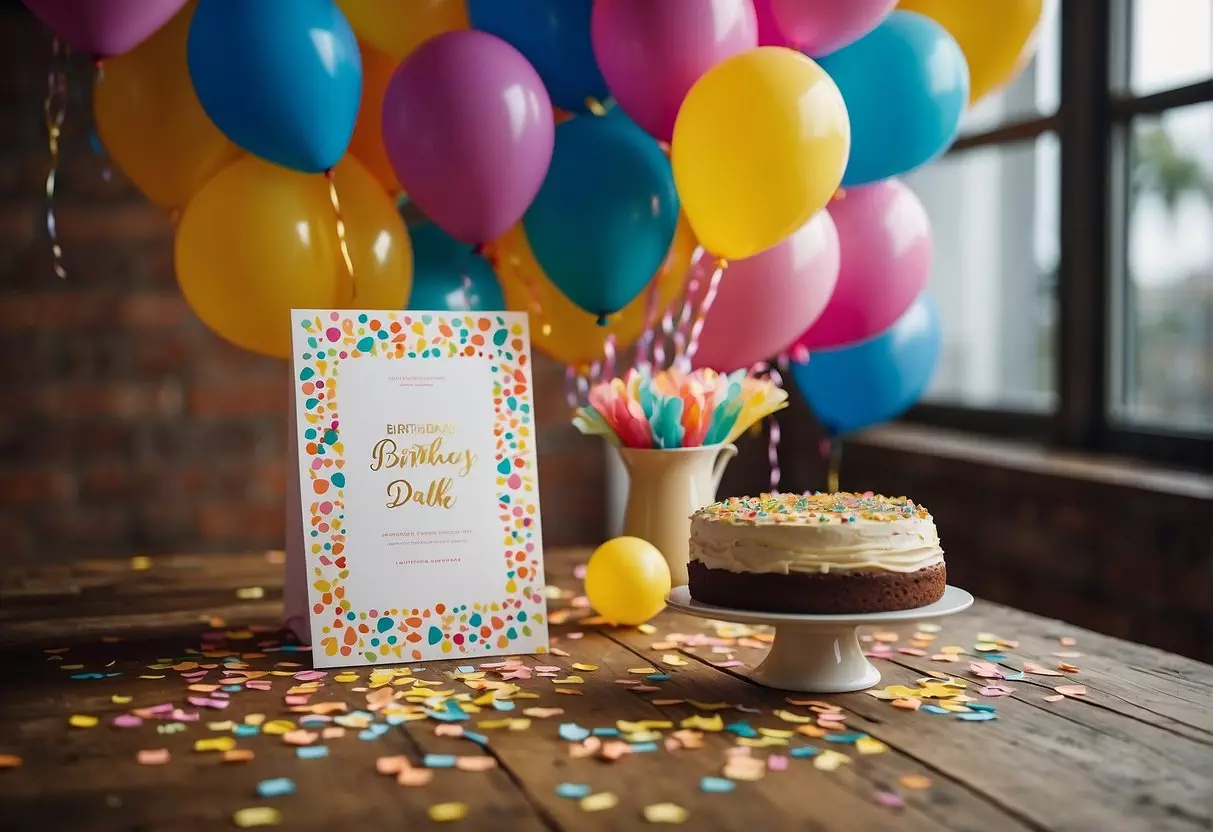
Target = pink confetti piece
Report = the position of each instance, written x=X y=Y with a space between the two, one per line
x=777 y=762
x=391 y=765
x=1071 y=690
x=911 y=651
x=126 y=721
x=259 y=684
x=574 y=636
x=448 y=730
x=985 y=670
x=1037 y=670
x=995 y=690
x=296 y=700
x=732 y=663
x=1054 y=697
x=154 y=710
x=545 y=668
x=556 y=651
x=890 y=800
x=644 y=689
x=627 y=681
x=152 y=756
x=205 y=702
x=184 y=716
x=477 y=763
x=310 y=675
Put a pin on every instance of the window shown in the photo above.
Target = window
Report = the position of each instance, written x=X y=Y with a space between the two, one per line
x=1074 y=240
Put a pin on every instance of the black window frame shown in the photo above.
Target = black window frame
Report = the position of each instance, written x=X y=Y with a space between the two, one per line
x=1092 y=123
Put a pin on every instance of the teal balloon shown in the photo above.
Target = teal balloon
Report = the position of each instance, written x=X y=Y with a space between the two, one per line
x=602 y=223
x=450 y=275
x=281 y=78
x=906 y=87
x=877 y=380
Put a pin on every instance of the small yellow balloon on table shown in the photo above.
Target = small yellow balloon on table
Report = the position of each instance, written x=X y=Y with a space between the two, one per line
x=627 y=580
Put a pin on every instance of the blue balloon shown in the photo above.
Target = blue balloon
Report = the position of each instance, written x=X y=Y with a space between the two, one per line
x=281 y=78
x=855 y=387
x=602 y=222
x=906 y=86
x=554 y=35
x=450 y=275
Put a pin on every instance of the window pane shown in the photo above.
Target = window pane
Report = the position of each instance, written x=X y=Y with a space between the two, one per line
x=1035 y=92
x=994 y=211
x=1166 y=345
x=1172 y=44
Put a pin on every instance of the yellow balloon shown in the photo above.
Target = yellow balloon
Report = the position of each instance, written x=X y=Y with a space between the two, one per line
x=997 y=37
x=397 y=27
x=259 y=240
x=565 y=331
x=759 y=146
x=150 y=121
x=367 y=142
x=627 y=580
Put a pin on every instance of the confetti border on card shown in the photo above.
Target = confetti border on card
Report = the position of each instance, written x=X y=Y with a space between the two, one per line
x=456 y=626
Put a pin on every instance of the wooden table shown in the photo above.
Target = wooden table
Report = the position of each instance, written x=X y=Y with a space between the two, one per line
x=1135 y=752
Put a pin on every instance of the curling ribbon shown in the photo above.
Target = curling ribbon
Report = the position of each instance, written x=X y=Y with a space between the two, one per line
x=570 y=387
x=774 y=436
x=341 y=240
x=54 y=108
x=701 y=314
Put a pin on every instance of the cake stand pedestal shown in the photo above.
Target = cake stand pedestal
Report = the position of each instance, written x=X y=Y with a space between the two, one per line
x=818 y=653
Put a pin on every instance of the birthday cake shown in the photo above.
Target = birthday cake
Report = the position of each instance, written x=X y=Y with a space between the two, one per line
x=816 y=554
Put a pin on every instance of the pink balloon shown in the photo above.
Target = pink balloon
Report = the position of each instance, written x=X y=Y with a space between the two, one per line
x=468 y=128
x=765 y=301
x=104 y=28
x=885 y=237
x=652 y=53
x=768 y=29
x=819 y=27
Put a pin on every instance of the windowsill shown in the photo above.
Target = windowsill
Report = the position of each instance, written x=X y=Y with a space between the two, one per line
x=1036 y=458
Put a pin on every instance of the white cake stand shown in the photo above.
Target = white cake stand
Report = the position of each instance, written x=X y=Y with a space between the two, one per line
x=818 y=653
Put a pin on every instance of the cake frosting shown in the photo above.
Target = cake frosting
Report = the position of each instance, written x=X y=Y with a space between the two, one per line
x=815 y=534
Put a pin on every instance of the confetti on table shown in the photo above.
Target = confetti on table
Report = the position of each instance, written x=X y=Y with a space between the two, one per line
x=870 y=745
x=716 y=785
x=447 y=812
x=276 y=787
x=215 y=744
x=573 y=732
x=586 y=667
x=476 y=763
x=1054 y=697
x=915 y=782
x=438 y=761
x=82 y=721
x=238 y=755
x=140 y=563
x=830 y=760
x=599 y=802
x=673 y=660
x=890 y=800
x=414 y=777
x=1071 y=690
x=574 y=791
x=257 y=816
x=665 y=813
x=152 y=756
x=312 y=752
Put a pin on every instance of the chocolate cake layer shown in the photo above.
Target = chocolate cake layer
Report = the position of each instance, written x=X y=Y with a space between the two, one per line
x=809 y=593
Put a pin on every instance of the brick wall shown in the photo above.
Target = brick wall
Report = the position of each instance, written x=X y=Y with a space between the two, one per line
x=126 y=427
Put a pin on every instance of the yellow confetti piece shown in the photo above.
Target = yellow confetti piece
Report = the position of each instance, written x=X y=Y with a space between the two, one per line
x=278 y=727
x=812 y=731
x=703 y=723
x=644 y=671
x=257 y=816
x=788 y=716
x=952 y=649
x=569 y=691
x=585 y=667
x=139 y=563
x=215 y=744
x=569 y=680
x=829 y=760
x=762 y=742
x=447 y=812
x=82 y=721
x=647 y=629
x=708 y=706
x=744 y=768
x=599 y=802
x=346 y=678
x=870 y=745
x=929 y=627
x=118 y=699
x=778 y=733
x=226 y=725
x=71 y=667
x=916 y=782
x=250 y=593
x=673 y=660
x=665 y=813
x=254 y=719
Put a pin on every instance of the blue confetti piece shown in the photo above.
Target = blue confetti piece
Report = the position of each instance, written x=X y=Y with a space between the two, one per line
x=978 y=717
x=741 y=729
x=277 y=787
x=112 y=675
x=291 y=648
x=479 y=739
x=658 y=677
x=994 y=657
x=1015 y=676
x=394 y=719
x=848 y=737
x=88 y=676
x=314 y=719
x=373 y=732
x=805 y=751
x=935 y=709
x=243 y=730
x=231 y=688
x=311 y=752
x=716 y=785
x=438 y=761
x=360 y=715
x=503 y=705
x=573 y=791
x=465 y=668
x=573 y=732
x=644 y=747
x=981 y=707
x=606 y=732
x=451 y=713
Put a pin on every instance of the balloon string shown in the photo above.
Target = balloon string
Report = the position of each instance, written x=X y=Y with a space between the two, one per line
x=690 y=296
x=608 y=361
x=773 y=437
x=570 y=387
x=705 y=306
x=352 y=288
x=644 y=349
x=54 y=108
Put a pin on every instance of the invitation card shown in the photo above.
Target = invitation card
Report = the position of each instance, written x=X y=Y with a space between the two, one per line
x=418 y=492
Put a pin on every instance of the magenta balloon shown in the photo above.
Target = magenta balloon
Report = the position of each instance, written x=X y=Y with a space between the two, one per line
x=768 y=29
x=468 y=128
x=885 y=237
x=104 y=28
x=765 y=301
x=819 y=27
x=652 y=53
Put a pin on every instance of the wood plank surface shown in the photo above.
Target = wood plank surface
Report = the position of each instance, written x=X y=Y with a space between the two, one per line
x=1134 y=753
